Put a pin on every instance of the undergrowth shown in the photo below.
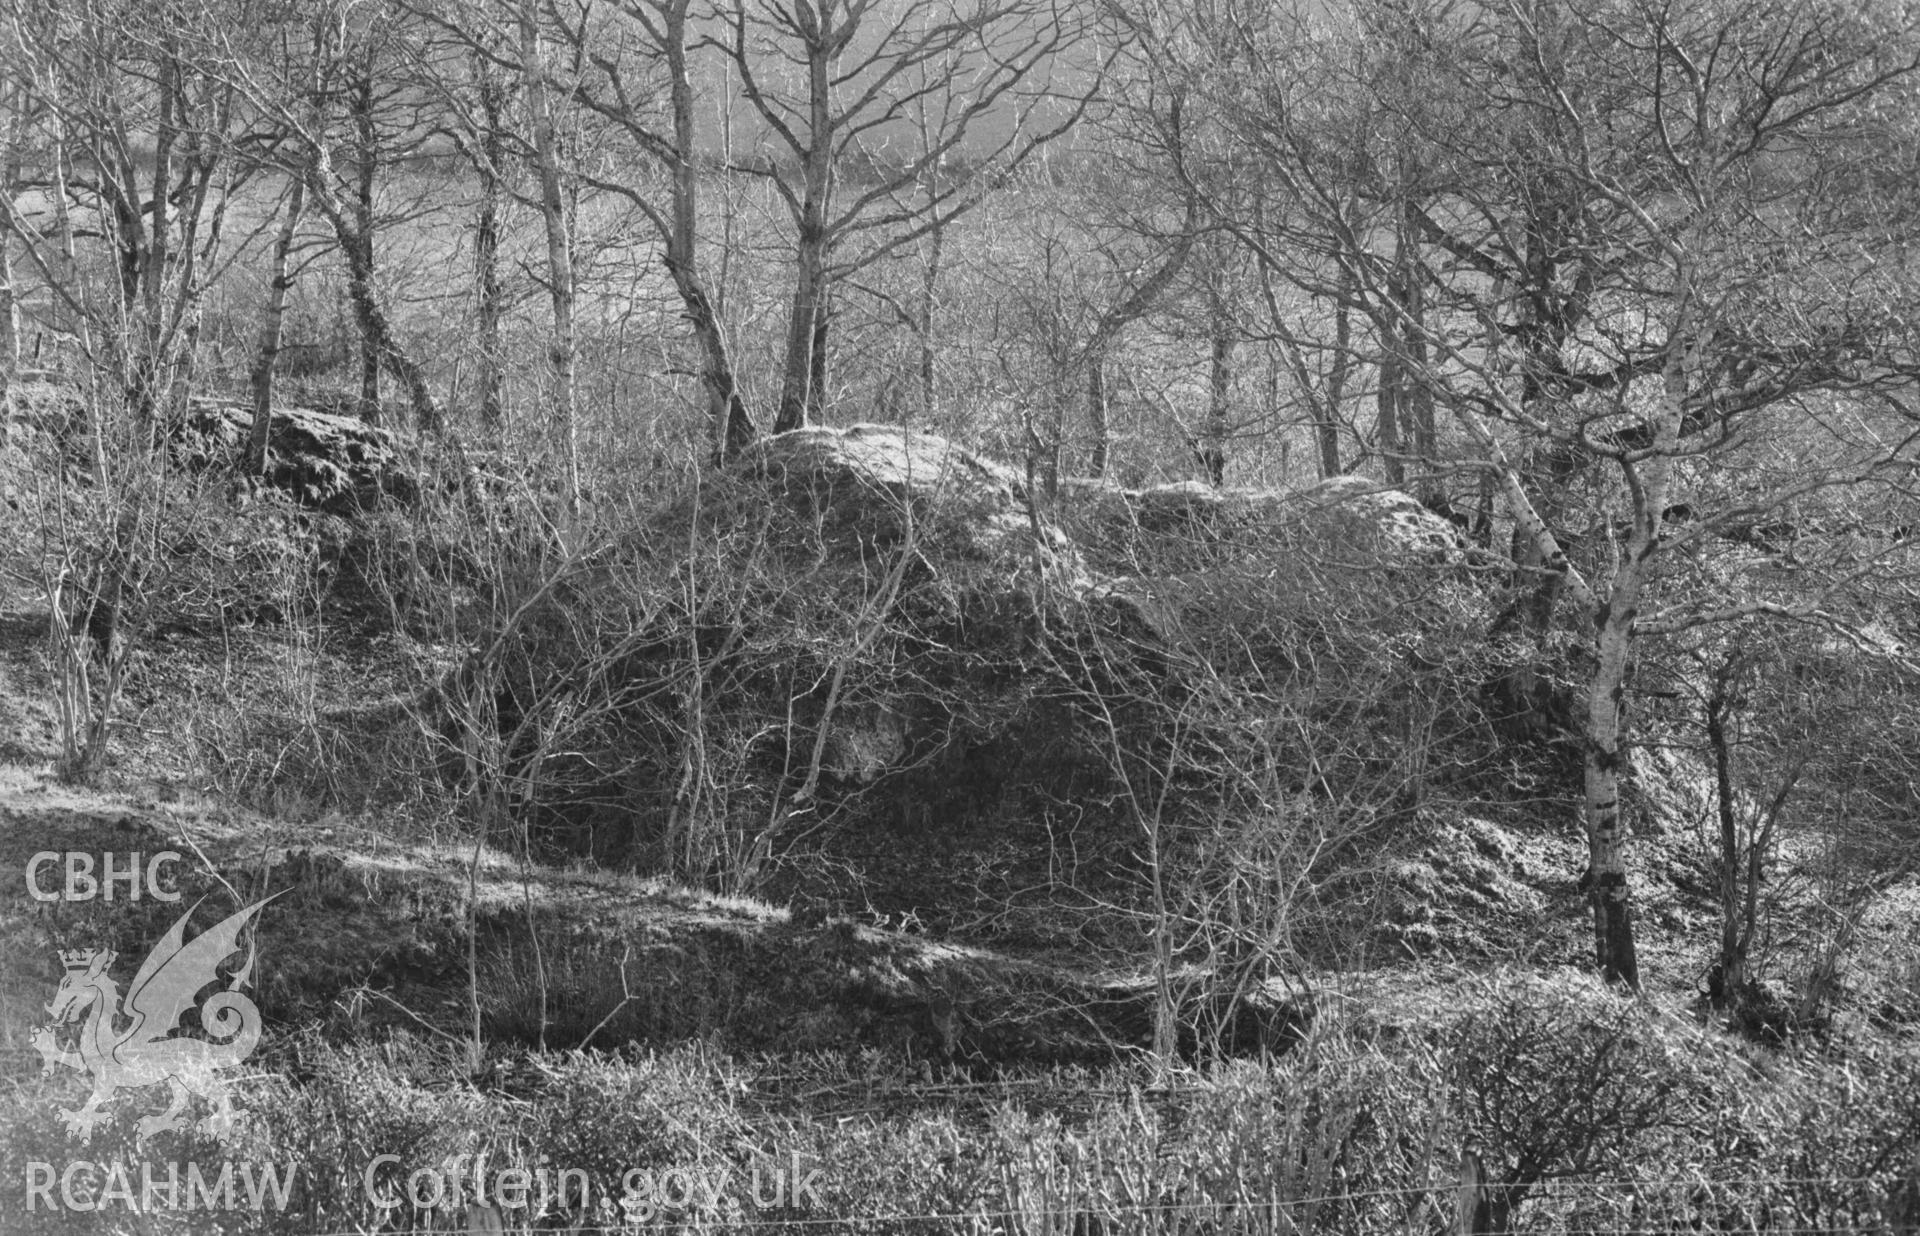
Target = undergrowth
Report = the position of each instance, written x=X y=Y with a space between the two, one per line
x=1593 y=1113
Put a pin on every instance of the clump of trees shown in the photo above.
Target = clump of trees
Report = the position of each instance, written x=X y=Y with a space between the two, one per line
x=1627 y=291
x=1644 y=269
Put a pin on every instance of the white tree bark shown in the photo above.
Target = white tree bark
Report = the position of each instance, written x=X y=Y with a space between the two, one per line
x=279 y=282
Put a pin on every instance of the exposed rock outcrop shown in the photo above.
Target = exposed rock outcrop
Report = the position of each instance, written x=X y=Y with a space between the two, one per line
x=1345 y=521
x=328 y=462
x=324 y=461
x=899 y=658
x=867 y=488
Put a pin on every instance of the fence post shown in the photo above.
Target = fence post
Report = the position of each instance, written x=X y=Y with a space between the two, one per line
x=1473 y=1203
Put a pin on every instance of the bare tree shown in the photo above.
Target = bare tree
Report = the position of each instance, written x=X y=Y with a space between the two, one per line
x=339 y=113
x=1125 y=311
x=1606 y=188
x=857 y=77
x=486 y=151
x=135 y=138
x=560 y=281
x=468 y=79
x=621 y=54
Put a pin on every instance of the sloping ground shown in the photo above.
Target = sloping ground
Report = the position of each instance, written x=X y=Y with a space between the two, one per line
x=363 y=933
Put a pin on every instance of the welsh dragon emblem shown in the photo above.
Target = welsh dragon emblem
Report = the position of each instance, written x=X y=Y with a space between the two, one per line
x=143 y=1053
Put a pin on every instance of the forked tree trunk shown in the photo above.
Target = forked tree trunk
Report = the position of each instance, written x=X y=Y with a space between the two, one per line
x=371 y=319
x=560 y=352
x=279 y=282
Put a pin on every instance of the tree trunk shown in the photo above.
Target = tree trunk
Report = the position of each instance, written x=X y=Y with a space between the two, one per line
x=1729 y=974
x=1327 y=427
x=1606 y=829
x=1548 y=321
x=733 y=429
x=559 y=258
x=1097 y=414
x=1414 y=401
x=369 y=317
x=1647 y=481
x=817 y=358
x=279 y=283
x=1387 y=409
x=805 y=326
x=929 y=306
x=12 y=131
x=360 y=262
x=160 y=222
x=9 y=313
x=732 y=425
x=368 y=327
x=804 y=372
x=1213 y=450
x=490 y=289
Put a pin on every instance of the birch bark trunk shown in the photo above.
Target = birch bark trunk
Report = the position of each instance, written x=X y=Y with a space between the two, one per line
x=360 y=255
x=1648 y=476
x=279 y=282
